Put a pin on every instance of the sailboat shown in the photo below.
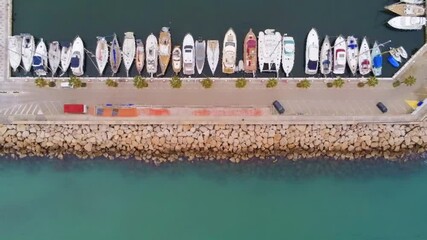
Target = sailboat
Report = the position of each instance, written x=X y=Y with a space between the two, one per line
x=364 y=58
x=212 y=53
x=188 y=55
x=77 y=57
x=140 y=55
x=326 y=57
x=115 y=55
x=250 y=53
x=269 y=51
x=229 y=52
x=377 y=60
x=66 y=52
x=40 y=59
x=176 y=59
x=200 y=55
x=152 y=52
x=28 y=48
x=165 y=47
x=15 y=51
x=340 y=55
x=288 y=56
x=54 y=56
x=128 y=51
x=101 y=54
x=312 y=52
x=352 y=54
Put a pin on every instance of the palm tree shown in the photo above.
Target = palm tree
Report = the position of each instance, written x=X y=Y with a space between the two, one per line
x=207 y=83
x=111 y=83
x=372 y=81
x=271 y=83
x=40 y=82
x=139 y=82
x=75 y=82
x=338 y=83
x=410 y=80
x=176 y=82
x=241 y=83
x=304 y=84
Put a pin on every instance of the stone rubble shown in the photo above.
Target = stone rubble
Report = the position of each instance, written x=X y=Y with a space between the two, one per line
x=236 y=143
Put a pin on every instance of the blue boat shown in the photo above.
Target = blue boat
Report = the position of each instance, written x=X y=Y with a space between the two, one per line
x=393 y=61
x=115 y=55
x=377 y=60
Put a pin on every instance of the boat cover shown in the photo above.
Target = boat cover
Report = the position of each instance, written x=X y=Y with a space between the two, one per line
x=289 y=48
x=312 y=65
x=393 y=61
x=75 y=62
x=352 y=44
x=378 y=61
x=37 y=60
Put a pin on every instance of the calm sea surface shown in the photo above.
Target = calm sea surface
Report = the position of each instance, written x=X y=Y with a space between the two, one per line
x=110 y=200
x=209 y=19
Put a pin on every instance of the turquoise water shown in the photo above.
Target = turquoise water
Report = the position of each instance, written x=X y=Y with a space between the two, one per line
x=42 y=199
x=210 y=19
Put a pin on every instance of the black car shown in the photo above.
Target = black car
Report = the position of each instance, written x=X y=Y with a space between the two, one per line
x=382 y=107
x=278 y=106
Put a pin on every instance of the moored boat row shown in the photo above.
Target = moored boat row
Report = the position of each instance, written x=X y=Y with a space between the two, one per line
x=411 y=16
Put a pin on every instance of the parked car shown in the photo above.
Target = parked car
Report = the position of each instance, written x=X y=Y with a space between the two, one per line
x=278 y=106
x=382 y=107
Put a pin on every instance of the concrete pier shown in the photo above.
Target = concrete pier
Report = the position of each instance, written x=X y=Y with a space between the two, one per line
x=5 y=31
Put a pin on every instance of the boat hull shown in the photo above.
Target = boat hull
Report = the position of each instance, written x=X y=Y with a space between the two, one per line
x=140 y=55
x=376 y=60
x=77 y=55
x=115 y=55
x=129 y=49
x=66 y=52
x=288 y=57
x=229 y=52
x=165 y=48
x=176 y=59
x=28 y=49
x=40 y=59
x=364 y=60
x=352 y=54
x=407 y=22
x=54 y=56
x=312 y=53
x=200 y=55
x=15 y=51
x=188 y=55
x=212 y=53
x=101 y=54
x=152 y=49
x=326 y=57
x=250 y=52
x=404 y=9
x=340 y=55
x=269 y=51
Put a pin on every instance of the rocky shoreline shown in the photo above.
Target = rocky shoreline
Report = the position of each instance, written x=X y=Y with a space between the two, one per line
x=236 y=143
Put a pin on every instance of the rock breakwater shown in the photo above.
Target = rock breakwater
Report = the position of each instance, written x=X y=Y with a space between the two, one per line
x=236 y=143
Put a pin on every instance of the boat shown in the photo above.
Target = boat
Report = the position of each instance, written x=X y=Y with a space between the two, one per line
x=165 y=47
x=212 y=54
x=377 y=60
x=364 y=59
x=188 y=55
x=402 y=52
x=176 y=59
x=115 y=55
x=352 y=54
x=54 y=55
x=288 y=54
x=312 y=52
x=152 y=52
x=200 y=55
x=28 y=49
x=77 y=57
x=395 y=53
x=405 y=9
x=412 y=1
x=393 y=62
x=250 y=53
x=340 y=54
x=40 y=59
x=101 y=54
x=269 y=51
x=240 y=66
x=66 y=52
x=407 y=22
x=15 y=51
x=229 y=51
x=140 y=55
x=128 y=51
x=326 y=57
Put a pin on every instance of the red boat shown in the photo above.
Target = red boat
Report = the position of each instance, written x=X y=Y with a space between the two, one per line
x=250 y=52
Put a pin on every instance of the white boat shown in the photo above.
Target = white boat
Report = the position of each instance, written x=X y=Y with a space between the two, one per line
x=377 y=60
x=394 y=52
x=407 y=22
x=66 y=52
x=288 y=56
x=128 y=51
x=269 y=51
x=54 y=56
x=140 y=55
x=312 y=52
x=101 y=54
x=40 y=59
x=405 y=9
x=15 y=51
x=200 y=55
x=115 y=55
x=165 y=48
x=364 y=59
x=28 y=49
x=212 y=53
x=152 y=53
x=352 y=54
x=403 y=52
x=326 y=57
x=229 y=51
x=188 y=55
x=412 y=1
x=77 y=57
x=176 y=59
x=340 y=55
